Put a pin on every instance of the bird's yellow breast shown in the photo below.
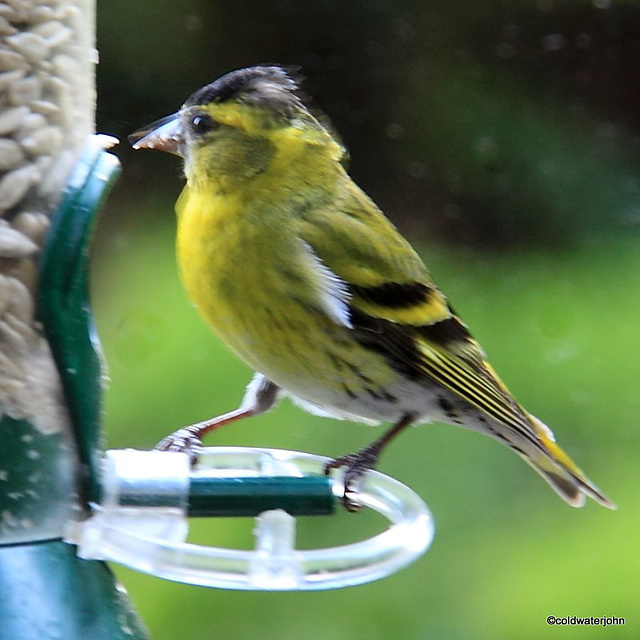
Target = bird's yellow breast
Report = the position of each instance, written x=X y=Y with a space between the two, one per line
x=235 y=263
x=238 y=265
x=218 y=267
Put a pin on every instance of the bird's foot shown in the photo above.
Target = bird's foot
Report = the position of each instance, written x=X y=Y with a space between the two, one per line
x=356 y=465
x=186 y=440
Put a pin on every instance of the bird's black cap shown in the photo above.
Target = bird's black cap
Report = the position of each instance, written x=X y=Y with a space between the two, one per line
x=272 y=87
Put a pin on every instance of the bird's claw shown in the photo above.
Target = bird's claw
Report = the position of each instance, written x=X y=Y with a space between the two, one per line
x=356 y=465
x=182 y=441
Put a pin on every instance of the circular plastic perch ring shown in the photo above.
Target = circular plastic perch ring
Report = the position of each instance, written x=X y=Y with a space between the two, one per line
x=151 y=539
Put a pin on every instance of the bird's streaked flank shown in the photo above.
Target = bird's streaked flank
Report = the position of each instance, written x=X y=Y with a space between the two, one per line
x=304 y=278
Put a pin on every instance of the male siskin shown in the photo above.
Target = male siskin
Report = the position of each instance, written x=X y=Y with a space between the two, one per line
x=304 y=278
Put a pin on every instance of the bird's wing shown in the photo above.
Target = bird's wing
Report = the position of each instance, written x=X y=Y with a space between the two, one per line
x=396 y=309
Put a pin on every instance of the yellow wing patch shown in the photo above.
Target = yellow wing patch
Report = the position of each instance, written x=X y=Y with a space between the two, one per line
x=410 y=303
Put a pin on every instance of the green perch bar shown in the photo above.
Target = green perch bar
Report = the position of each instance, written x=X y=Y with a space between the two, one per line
x=244 y=497
x=248 y=497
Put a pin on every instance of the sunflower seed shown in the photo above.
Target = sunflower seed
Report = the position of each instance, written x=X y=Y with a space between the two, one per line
x=15 y=331
x=56 y=178
x=32 y=225
x=47 y=29
x=15 y=184
x=66 y=67
x=9 y=77
x=9 y=373
x=13 y=15
x=15 y=299
x=19 y=5
x=24 y=91
x=31 y=122
x=10 y=60
x=32 y=46
x=43 y=141
x=10 y=119
x=59 y=37
x=44 y=14
x=26 y=271
x=45 y=107
x=11 y=154
x=6 y=28
x=14 y=244
x=64 y=102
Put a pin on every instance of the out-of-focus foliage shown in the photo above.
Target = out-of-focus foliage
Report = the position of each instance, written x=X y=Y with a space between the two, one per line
x=493 y=123
x=503 y=138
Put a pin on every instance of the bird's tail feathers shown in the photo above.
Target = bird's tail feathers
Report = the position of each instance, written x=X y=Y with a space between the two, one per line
x=557 y=468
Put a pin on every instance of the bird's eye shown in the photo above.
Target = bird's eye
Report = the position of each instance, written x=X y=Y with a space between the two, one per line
x=201 y=124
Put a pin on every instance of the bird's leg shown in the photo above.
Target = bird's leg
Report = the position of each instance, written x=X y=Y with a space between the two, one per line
x=260 y=396
x=357 y=464
x=189 y=439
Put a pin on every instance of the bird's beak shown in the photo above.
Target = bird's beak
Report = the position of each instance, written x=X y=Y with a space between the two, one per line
x=164 y=134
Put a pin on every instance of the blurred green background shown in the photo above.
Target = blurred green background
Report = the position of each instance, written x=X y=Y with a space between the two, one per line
x=504 y=139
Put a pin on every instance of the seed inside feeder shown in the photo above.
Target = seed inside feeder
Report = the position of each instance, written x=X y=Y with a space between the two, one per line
x=46 y=118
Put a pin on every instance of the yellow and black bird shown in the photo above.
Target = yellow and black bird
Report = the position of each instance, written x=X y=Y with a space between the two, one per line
x=304 y=278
